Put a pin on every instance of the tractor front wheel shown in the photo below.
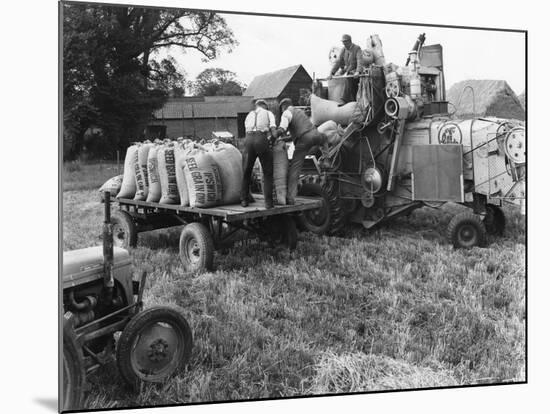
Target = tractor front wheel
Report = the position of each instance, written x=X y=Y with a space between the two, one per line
x=466 y=230
x=153 y=345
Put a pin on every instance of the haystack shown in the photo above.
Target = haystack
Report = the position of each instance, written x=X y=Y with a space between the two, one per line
x=492 y=98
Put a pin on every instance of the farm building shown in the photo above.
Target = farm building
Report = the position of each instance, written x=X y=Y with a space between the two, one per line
x=521 y=98
x=490 y=98
x=291 y=82
x=199 y=116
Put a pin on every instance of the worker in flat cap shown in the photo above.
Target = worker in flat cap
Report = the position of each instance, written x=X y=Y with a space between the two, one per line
x=304 y=135
x=348 y=63
x=260 y=131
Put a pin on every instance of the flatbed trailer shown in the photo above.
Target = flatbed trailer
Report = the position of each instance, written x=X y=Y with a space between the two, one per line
x=208 y=229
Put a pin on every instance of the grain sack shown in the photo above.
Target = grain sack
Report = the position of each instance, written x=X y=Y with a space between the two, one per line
x=154 y=192
x=181 y=152
x=141 y=173
x=203 y=179
x=112 y=185
x=280 y=171
x=230 y=163
x=332 y=131
x=128 y=186
x=323 y=110
x=167 y=175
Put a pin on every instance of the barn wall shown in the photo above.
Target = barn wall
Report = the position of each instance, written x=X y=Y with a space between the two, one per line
x=300 y=80
x=202 y=127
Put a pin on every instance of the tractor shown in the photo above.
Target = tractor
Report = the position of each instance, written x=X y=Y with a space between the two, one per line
x=100 y=301
x=402 y=151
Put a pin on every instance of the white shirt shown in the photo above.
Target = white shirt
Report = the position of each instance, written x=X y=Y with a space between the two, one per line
x=259 y=120
x=286 y=117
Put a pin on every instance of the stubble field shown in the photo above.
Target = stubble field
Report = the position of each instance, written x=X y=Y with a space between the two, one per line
x=392 y=308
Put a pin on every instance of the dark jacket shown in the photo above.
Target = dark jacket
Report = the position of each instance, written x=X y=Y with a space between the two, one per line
x=349 y=60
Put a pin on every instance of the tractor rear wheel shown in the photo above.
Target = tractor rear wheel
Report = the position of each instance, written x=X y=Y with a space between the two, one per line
x=466 y=230
x=153 y=345
x=316 y=221
x=73 y=374
x=494 y=221
x=124 y=230
x=337 y=215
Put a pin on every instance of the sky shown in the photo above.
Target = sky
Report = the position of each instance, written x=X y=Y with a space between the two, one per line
x=270 y=43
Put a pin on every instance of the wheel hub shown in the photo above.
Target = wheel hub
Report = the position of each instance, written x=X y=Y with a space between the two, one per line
x=158 y=350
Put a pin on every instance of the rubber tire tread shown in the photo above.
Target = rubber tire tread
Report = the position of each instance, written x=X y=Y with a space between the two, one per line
x=314 y=190
x=75 y=359
x=206 y=245
x=172 y=314
x=466 y=218
x=499 y=220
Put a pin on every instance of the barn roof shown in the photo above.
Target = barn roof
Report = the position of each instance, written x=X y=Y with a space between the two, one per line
x=220 y=107
x=272 y=84
x=492 y=98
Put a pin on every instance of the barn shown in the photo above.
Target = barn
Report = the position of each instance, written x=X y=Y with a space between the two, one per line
x=490 y=98
x=292 y=82
x=199 y=116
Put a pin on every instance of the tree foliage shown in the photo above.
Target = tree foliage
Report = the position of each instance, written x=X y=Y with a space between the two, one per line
x=115 y=68
x=217 y=81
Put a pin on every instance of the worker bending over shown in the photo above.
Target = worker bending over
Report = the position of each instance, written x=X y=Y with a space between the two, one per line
x=260 y=129
x=304 y=135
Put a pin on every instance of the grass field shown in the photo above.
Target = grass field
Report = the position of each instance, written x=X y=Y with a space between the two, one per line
x=392 y=308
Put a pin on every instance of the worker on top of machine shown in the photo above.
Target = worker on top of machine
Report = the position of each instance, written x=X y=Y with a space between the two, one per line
x=304 y=135
x=348 y=63
x=260 y=130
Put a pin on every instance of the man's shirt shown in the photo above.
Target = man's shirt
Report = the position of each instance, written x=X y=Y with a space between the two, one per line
x=259 y=120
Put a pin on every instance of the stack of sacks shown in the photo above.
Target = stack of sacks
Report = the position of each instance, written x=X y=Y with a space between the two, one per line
x=180 y=172
x=112 y=185
x=280 y=171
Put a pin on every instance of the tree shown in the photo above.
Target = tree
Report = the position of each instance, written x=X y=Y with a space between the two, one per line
x=112 y=75
x=217 y=81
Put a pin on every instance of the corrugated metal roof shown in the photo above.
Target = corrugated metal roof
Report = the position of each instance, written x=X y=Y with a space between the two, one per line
x=270 y=85
x=227 y=108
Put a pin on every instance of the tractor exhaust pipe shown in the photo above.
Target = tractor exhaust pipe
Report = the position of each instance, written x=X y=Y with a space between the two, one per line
x=108 y=254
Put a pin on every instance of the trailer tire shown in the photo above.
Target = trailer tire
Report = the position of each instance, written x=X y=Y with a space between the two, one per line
x=315 y=221
x=494 y=221
x=154 y=345
x=73 y=375
x=124 y=230
x=466 y=230
x=196 y=248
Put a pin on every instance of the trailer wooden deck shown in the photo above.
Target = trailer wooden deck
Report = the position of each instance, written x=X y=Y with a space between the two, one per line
x=231 y=212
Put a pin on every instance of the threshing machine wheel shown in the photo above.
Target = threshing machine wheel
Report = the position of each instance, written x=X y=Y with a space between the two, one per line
x=316 y=221
x=124 y=230
x=494 y=221
x=196 y=248
x=73 y=370
x=466 y=230
x=153 y=345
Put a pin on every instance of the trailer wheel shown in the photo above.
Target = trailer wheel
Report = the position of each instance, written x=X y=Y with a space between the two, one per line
x=153 y=345
x=466 y=230
x=316 y=221
x=73 y=370
x=124 y=230
x=196 y=248
x=494 y=221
